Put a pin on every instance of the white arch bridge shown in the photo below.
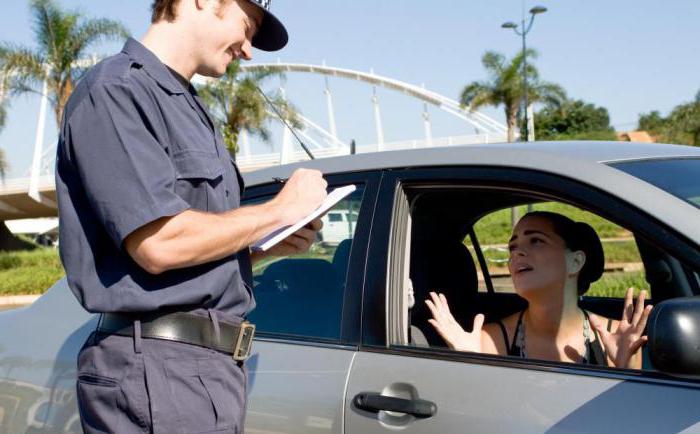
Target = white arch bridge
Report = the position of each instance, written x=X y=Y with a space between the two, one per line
x=34 y=195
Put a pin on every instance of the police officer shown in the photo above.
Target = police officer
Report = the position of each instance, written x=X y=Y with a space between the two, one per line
x=152 y=233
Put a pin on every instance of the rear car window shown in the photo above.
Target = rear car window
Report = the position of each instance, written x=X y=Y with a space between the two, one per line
x=678 y=177
x=302 y=295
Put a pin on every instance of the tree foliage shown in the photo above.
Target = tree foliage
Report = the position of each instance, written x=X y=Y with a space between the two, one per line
x=505 y=87
x=681 y=126
x=238 y=104
x=62 y=39
x=573 y=120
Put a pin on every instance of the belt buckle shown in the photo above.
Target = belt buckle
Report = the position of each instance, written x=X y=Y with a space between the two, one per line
x=244 y=342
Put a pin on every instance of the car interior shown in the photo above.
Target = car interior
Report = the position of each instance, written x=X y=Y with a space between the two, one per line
x=442 y=218
x=289 y=288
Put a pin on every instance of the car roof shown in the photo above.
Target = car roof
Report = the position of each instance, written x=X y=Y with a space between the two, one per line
x=578 y=160
x=534 y=155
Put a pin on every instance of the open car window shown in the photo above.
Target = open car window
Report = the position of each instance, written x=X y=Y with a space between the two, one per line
x=458 y=246
x=623 y=264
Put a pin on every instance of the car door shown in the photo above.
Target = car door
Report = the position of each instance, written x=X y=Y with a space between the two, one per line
x=307 y=320
x=394 y=386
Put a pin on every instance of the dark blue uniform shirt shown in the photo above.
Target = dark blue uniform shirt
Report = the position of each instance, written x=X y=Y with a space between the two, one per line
x=136 y=145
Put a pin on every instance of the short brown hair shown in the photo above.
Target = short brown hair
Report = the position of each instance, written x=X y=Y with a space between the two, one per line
x=163 y=9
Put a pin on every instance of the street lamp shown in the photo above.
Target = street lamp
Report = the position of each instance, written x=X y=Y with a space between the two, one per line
x=523 y=33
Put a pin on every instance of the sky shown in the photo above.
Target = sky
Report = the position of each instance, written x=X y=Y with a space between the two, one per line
x=630 y=56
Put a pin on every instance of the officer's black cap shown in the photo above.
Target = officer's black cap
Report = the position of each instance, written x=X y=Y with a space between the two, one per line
x=271 y=35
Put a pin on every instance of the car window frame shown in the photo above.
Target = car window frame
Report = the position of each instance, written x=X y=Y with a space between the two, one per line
x=375 y=310
x=350 y=331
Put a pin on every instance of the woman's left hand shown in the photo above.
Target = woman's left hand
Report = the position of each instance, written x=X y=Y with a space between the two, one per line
x=623 y=344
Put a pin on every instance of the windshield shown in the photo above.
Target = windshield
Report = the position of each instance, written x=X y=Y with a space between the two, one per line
x=678 y=177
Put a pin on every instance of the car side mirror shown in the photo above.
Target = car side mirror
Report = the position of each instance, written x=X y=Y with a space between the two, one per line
x=674 y=337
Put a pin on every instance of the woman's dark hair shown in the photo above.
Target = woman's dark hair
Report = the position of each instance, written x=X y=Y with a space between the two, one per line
x=578 y=236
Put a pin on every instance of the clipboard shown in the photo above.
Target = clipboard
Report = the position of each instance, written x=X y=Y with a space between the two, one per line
x=278 y=235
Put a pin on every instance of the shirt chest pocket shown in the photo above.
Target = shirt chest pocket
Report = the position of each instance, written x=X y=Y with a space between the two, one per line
x=199 y=179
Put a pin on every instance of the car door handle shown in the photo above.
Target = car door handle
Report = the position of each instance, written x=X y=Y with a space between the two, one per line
x=375 y=402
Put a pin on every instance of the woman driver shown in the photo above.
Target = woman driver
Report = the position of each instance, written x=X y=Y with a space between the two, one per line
x=553 y=260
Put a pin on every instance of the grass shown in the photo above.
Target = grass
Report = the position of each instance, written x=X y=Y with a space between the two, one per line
x=33 y=272
x=621 y=251
x=616 y=284
x=495 y=227
x=29 y=272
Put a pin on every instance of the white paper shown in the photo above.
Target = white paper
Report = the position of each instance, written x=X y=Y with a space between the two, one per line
x=278 y=235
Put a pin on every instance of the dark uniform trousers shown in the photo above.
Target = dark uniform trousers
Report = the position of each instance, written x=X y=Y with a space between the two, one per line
x=134 y=385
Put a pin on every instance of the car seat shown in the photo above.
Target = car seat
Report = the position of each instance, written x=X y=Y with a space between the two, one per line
x=299 y=296
x=444 y=266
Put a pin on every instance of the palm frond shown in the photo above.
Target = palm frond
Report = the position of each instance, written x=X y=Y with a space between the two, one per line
x=47 y=25
x=92 y=31
x=550 y=94
x=493 y=61
x=237 y=104
x=21 y=69
x=476 y=94
x=263 y=74
x=20 y=61
x=3 y=115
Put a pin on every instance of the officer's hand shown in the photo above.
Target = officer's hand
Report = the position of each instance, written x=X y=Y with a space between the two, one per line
x=301 y=195
x=299 y=241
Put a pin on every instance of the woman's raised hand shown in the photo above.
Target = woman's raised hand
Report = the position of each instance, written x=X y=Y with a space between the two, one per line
x=449 y=328
x=622 y=345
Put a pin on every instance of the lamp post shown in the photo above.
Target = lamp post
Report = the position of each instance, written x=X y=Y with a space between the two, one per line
x=523 y=33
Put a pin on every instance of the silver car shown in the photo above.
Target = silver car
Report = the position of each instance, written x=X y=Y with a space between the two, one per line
x=343 y=344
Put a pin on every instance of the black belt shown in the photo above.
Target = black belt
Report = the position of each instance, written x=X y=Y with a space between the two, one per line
x=184 y=327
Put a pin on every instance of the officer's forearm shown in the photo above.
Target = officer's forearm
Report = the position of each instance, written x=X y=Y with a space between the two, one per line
x=195 y=237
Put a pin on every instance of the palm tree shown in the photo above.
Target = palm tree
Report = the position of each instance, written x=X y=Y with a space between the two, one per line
x=3 y=118
x=3 y=162
x=505 y=87
x=3 y=165
x=62 y=37
x=238 y=104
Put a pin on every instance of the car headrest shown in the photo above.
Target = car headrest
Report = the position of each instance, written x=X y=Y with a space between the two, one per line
x=298 y=276
x=444 y=266
x=341 y=257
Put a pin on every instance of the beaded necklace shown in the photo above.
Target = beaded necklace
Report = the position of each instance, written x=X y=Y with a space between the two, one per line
x=520 y=337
